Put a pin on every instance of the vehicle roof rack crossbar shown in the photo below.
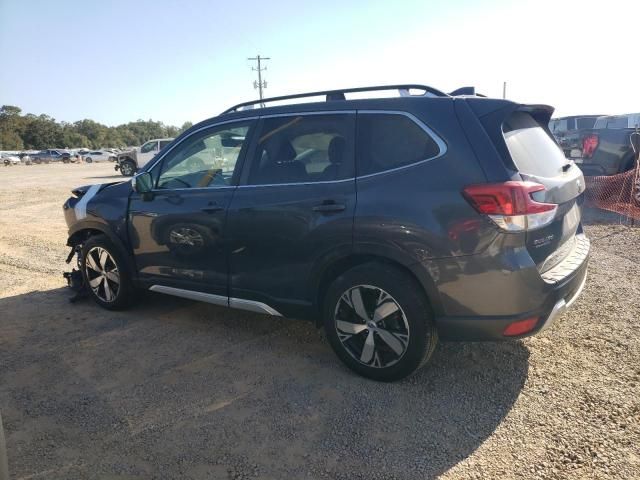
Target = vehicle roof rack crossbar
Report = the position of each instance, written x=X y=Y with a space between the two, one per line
x=332 y=95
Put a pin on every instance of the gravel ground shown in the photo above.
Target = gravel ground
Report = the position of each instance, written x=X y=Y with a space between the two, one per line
x=178 y=389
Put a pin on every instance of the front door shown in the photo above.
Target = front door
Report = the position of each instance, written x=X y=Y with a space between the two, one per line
x=293 y=210
x=177 y=231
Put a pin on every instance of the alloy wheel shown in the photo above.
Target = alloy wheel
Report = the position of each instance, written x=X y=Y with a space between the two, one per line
x=102 y=274
x=186 y=236
x=371 y=326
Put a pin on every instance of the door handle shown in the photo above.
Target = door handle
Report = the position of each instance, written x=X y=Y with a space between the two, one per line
x=212 y=209
x=329 y=206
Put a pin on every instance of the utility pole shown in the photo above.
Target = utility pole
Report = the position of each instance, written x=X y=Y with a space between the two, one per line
x=504 y=89
x=260 y=84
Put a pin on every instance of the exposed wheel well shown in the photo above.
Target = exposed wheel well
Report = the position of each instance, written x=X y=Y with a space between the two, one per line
x=82 y=235
x=340 y=266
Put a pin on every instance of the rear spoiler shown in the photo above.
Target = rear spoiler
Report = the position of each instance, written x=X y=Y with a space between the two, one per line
x=491 y=113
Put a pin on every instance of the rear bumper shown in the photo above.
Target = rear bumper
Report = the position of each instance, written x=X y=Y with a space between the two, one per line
x=559 y=295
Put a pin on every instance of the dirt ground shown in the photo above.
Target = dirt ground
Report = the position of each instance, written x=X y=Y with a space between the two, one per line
x=179 y=389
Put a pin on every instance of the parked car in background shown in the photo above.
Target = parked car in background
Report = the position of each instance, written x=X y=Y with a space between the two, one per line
x=25 y=157
x=568 y=131
x=47 y=156
x=9 y=159
x=131 y=161
x=99 y=156
x=392 y=222
x=606 y=148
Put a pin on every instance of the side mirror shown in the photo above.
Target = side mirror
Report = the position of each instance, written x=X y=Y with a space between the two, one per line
x=142 y=182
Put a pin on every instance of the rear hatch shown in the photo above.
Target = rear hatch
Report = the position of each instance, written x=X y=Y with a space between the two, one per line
x=538 y=158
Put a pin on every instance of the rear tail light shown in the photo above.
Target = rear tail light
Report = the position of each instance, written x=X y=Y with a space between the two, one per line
x=510 y=205
x=589 y=145
x=520 y=327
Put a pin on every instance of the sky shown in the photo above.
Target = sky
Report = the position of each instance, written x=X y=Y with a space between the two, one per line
x=121 y=60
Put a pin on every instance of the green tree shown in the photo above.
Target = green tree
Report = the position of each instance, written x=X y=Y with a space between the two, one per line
x=11 y=128
x=42 y=132
x=19 y=131
x=186 y=126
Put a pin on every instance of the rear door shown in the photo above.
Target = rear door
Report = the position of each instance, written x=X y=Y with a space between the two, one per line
x=293 y=209
x=538 y=158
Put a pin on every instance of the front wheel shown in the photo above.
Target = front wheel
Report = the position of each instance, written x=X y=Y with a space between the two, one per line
x=379 y=322
x=106 y=274
x=88 y=160
x=127 y=168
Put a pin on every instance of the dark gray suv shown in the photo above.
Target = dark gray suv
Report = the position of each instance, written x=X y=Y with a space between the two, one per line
x=392 y=222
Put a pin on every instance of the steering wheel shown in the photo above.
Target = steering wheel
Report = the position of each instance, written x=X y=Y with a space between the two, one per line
x=195 y=164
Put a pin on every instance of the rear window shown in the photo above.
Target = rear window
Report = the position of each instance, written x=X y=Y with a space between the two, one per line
x=586 y=123
x=557 y=125
x=613 y=122
x=532 y=150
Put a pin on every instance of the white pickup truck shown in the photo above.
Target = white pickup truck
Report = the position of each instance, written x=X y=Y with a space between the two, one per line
x=131 y=161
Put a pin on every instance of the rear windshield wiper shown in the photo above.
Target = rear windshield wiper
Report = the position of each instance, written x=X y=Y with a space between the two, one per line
x=566 y=167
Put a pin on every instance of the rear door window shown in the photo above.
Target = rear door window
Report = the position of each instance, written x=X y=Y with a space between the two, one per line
x=533 y=151
x=304 y=149
x=387 y=141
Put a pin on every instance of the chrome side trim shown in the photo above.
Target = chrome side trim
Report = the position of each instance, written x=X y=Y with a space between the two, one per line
x=239 y=303
x=192 y=295
x=297 y=183
x=194 y=189
x=310 y=112
x=253 y=306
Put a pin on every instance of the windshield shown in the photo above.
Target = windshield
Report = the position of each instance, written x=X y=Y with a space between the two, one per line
x=532 y=150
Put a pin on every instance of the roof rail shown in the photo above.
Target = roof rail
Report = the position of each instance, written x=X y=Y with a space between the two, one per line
x=466 y=91
x=333 y=95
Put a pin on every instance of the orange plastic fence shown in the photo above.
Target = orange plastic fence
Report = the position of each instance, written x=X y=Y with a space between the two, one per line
x=616 y=193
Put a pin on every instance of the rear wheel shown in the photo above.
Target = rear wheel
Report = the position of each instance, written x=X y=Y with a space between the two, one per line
x=379 y=322
x=105 y=273
x=88 y=159
x=127 y=168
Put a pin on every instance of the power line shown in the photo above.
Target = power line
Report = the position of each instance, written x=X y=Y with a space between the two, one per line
x=260 y=84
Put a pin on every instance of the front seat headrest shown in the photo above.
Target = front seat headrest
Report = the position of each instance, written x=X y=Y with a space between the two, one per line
x=337 y=147
x=280 y=150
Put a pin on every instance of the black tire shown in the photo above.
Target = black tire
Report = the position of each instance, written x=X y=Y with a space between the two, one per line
x=88 y=160
x=414 y=311
x=65 y=160
x=124 y=295
x=127 y=168
x=37 y=161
